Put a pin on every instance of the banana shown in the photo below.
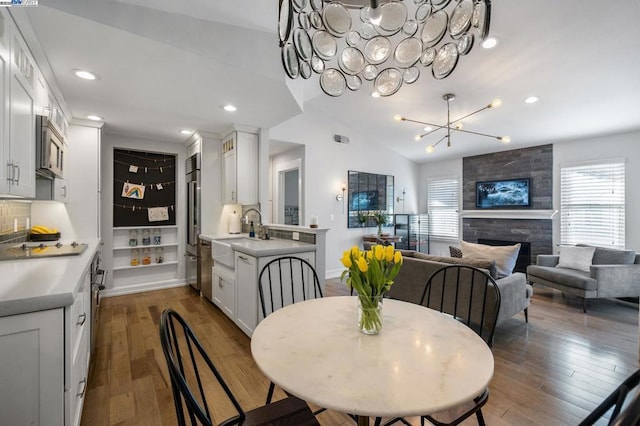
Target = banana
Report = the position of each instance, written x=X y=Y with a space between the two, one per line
x=39 y=229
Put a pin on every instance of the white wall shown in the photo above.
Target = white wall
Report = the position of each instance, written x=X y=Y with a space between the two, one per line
x=325 y=170
x=616 y=146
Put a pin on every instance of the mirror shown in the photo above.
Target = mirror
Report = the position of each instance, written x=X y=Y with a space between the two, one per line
x=368 y=193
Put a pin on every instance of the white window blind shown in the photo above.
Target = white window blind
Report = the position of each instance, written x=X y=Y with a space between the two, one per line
x=592 y=203
x=443 y=208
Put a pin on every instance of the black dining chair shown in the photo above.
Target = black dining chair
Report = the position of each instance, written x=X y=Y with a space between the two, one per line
x=196 y=383
x=284 y=281
x=622 y=405
x=471 y=296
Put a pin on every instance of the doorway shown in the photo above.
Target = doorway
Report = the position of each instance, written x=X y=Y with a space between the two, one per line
x=287 y=182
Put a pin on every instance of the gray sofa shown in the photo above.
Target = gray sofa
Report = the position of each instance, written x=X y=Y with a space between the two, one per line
x=613 y=273
x=410 y=282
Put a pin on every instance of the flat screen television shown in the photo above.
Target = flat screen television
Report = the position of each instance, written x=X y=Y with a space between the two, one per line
x=503 y=194
x=364 y=200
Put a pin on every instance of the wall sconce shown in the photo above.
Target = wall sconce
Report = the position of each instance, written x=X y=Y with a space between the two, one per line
x=400 y=199
x=340 y=197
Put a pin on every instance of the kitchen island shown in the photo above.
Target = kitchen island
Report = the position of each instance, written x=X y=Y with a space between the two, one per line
x=45 y=336
x=238 y=261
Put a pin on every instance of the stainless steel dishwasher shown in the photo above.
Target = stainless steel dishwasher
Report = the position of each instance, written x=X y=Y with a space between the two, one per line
x=205 y=262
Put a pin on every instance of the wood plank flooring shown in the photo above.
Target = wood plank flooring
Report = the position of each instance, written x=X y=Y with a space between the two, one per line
x=552 y=371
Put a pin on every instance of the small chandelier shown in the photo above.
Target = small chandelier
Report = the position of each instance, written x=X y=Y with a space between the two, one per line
x=455 y=125
x=385 y=42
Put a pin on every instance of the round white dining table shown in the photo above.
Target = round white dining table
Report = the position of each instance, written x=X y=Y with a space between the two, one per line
x=421 y=362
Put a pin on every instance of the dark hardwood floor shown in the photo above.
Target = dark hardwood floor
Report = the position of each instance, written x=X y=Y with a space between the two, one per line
x=552 y=371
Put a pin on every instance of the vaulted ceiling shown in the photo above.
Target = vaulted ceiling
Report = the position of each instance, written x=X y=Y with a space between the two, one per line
x=165 y=65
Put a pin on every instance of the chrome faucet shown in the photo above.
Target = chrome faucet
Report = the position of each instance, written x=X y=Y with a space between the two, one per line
x=246 y=218
x=262 y=231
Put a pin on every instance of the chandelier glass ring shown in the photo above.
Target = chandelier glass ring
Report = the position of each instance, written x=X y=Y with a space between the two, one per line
x=453 y=125
x=381 y=44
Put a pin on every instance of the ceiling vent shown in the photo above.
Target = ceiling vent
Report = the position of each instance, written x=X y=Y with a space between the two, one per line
x=340 y=139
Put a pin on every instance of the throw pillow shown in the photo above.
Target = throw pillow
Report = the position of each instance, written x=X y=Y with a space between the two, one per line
x=505 y=256
x=489 y=265
x=455 y=251
x=576 y=257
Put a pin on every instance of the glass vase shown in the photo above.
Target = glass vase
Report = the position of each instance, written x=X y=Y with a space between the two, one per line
x=370 y=314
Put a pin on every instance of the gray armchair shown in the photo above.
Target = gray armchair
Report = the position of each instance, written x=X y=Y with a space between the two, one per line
x=613 y=273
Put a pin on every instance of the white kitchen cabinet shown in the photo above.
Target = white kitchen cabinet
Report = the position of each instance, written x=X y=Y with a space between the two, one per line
x=45 y=359
x=21 y=159
x=77 y=349
x=224 y=290
x=248 y=310
x=32 y=368
x=83 y=172
x=240 y=168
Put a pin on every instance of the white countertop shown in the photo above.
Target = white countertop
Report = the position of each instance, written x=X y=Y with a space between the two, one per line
x=29 y=285
x=260 y=248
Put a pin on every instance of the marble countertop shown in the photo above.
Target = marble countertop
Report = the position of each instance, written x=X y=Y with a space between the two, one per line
x=421 y=362
x=260 y=248
x=30 y=285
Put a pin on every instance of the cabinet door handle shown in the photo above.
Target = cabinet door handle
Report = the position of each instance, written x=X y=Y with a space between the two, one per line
x=242 y=257
x=233 y=195
x=220 y=282
x=10 y=170
x=81 y=319
x=64 y=191
x=83 y=382
x=17 y=180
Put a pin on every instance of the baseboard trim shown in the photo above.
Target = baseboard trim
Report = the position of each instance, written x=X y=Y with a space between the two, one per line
x=139 y=288
x=333 y=274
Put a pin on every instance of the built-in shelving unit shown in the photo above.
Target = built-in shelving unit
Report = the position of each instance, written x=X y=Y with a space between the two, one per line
x=127 y=274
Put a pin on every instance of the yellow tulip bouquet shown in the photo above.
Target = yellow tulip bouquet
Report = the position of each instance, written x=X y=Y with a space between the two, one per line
x=371 y=273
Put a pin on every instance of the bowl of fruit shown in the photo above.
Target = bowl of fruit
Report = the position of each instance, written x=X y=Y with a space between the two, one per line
x=43 y=233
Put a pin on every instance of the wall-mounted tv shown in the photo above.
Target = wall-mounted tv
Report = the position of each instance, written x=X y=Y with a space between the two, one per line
x=364 y=200
x=503 y=194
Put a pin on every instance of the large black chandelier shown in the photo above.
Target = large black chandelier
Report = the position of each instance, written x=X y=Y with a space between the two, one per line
x=385 y=42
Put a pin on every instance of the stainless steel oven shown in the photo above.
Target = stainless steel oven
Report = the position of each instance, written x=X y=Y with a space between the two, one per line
x=193 y=219
x=50 y=148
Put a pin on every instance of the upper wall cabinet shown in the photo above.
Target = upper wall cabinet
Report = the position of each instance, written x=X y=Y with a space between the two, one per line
x=17 y=113
x=240 y=168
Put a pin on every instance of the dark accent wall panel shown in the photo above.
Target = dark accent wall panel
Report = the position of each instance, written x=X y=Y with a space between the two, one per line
x=534 y=162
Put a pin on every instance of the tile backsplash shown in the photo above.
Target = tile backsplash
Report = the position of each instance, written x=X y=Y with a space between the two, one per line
x=9 y=212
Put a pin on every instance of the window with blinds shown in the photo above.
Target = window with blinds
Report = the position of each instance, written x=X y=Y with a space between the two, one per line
x=592 y=203
x=443 y=207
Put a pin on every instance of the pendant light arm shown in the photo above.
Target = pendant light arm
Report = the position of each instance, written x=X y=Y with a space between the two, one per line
x=477 y=133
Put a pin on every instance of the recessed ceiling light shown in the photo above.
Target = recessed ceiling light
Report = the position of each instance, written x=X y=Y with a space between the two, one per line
x=229 y=108
x=375 y=94
x=85 y=74
x=531 y=100
x=94 y=117
x=427 y=128
x=490 y=42
x=186 y=131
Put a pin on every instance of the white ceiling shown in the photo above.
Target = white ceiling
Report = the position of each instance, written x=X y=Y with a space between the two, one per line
x=165 y=65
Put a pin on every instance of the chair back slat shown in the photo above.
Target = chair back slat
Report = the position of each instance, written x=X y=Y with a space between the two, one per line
x=185 y=369
x=625 y=402
x=466 y=293
x=286 y=280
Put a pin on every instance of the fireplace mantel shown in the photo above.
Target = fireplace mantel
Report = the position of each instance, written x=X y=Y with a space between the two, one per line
x=508 y=214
